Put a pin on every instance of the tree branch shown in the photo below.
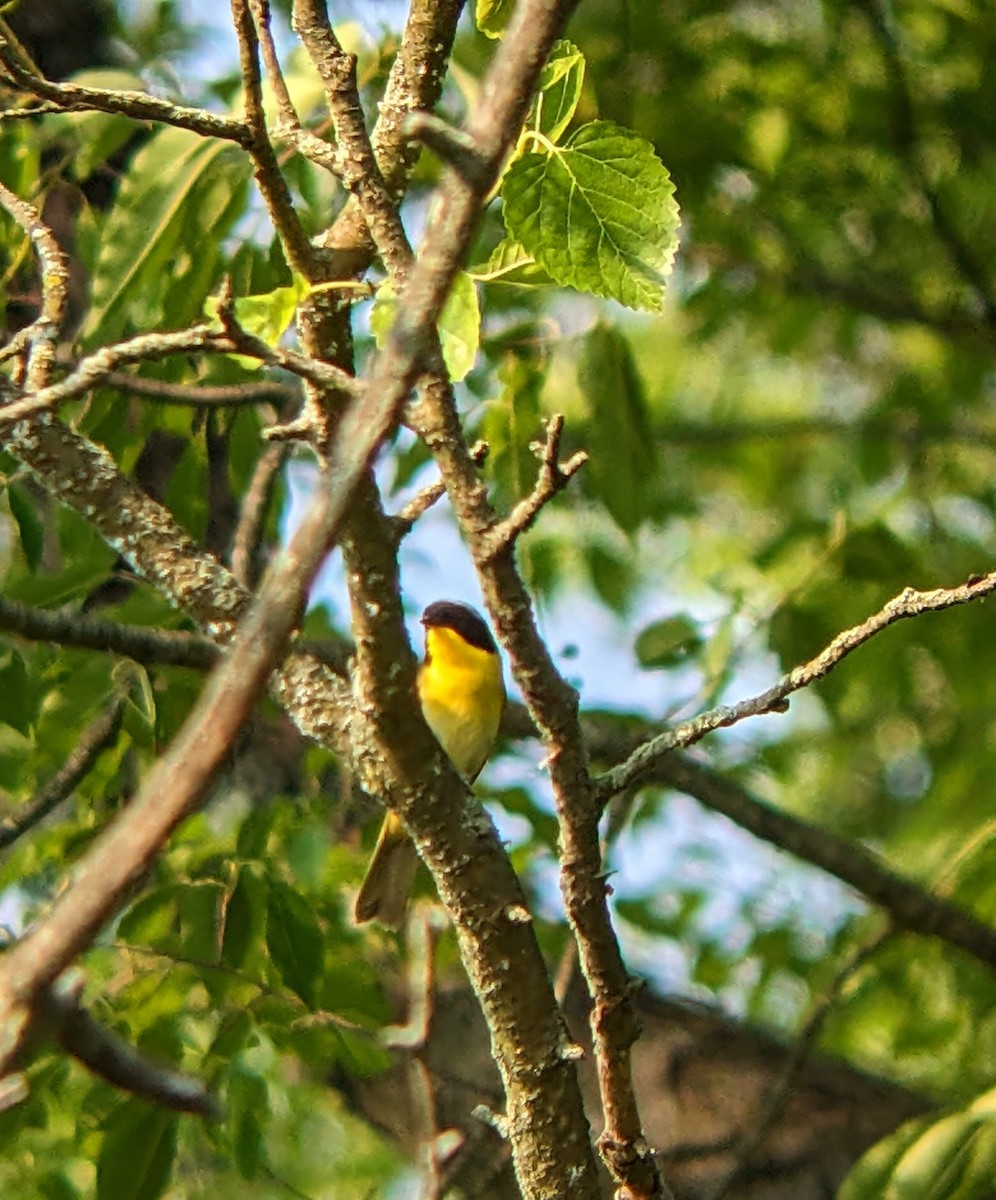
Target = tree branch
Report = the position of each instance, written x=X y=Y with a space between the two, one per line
x=226 y=395
x=553 y=706
x=113 y=1059
x=415 y=84
x=41 y=337
x=153 y=647
x=404 y=520
x=269 y=178
x=909 y=905
x=72 y=97
x=248 y=538
x=553 y=477
x=97 y=367
x=357 y=165
x=909 y=603
x=94 y=740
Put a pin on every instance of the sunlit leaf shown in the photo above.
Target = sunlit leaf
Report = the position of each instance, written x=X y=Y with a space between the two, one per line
x=560 y=84
x=459 y=323
x=492 y=16
x=597 y=214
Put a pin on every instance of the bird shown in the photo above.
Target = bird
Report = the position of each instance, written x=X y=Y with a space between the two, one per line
x=462 y=694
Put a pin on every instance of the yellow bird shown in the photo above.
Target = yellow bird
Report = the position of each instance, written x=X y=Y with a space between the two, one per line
x=462 y=694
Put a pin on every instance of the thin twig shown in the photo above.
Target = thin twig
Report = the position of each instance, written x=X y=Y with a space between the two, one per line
x=269 y=178
x=41 y=337
x=357 y=163
x=404 y=520
x=153 y=647
x=225 y=395
x=910 y=905
x=909 y=603
x=91 y=371
x=73 y=97
x=285 y=106
x=113 y=1059
x=553 y=477
x=94 y=740
x=249 y=530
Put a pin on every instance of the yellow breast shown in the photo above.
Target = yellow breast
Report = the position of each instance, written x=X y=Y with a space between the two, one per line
x=462 y=695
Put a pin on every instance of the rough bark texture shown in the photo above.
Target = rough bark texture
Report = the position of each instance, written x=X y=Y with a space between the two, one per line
x=701 y=1080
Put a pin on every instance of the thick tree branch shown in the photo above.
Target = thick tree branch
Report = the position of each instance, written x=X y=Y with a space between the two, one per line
x=553 y=706
x=473 y=879
x=415 y=84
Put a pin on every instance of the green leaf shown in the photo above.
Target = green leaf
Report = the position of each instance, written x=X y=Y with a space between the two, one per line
x=137 y=1153
x=560 y=84
x=621 y=449
x=245 y=916
x=512 y=422
x=597 y=214
x=509 y=263
x=248 y=1101
x=160 y=245
x=266 y=316
x=459 y=323
x=492 y=16
x=29 y=526
x=18 y=694
x=294 y=939
x=952 y=1158
x=667 y=643
x=152 y=920
x=97 y=135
